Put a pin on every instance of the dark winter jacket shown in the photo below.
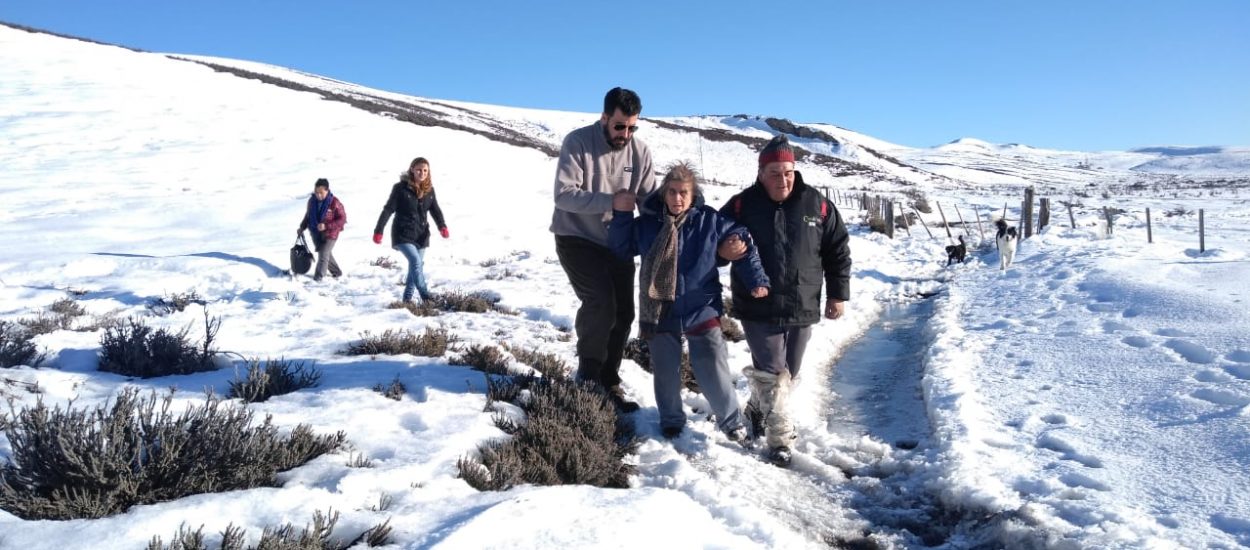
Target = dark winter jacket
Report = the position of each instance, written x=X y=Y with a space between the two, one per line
x=332 y=214
x=411 y=225
x=698 y=296
x=802 y=243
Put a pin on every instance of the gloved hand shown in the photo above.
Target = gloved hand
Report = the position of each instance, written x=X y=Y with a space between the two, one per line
x=444 y=233
x=377 y=238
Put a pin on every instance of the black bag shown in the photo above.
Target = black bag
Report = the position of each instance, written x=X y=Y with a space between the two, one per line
x=301 y=256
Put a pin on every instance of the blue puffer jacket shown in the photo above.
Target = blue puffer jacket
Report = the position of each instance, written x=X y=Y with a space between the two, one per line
x=698 y=281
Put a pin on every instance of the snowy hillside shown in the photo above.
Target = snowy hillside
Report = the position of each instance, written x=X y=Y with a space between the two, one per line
x=1093 y=395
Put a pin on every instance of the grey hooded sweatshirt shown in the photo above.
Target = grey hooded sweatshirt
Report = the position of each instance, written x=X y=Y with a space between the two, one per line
x=588 y=173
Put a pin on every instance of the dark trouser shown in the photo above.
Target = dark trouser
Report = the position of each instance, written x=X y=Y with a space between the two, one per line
x=774 y=347
x=605 y=285
x=325 y=258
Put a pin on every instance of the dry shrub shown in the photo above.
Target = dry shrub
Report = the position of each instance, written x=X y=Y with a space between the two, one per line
x=485 y=358
x=433 y=343
x=276 y=377
x=92 y=463
x=571 y=435
x=132 y=348
x=547 y=364
x=423 y=309
x=17 y=346
x=395 y=390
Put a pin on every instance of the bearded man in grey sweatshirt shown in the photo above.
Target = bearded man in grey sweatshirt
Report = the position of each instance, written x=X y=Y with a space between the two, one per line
x=595 y=162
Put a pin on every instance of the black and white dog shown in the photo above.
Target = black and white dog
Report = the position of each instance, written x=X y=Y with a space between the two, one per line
x=956 y=252
x=1006 y=241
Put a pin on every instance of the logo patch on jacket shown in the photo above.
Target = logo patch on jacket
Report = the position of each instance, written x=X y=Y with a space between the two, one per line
x=629 y=168
x=811 y=221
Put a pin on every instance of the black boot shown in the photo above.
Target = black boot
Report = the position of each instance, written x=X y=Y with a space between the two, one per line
x=623 y=405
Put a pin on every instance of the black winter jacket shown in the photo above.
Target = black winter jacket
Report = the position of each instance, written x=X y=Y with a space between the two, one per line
x=411 y=224
x=801 y=247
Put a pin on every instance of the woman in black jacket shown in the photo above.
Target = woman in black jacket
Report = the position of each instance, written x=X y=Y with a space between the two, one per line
x=411 y=199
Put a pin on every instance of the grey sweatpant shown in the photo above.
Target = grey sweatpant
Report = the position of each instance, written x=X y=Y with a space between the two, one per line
x=709 y=360
x=325 y=258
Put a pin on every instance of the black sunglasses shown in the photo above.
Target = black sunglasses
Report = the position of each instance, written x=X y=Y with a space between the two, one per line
x=621 y=127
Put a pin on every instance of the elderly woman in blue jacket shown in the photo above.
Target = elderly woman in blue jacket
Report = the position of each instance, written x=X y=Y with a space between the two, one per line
x=679 y=292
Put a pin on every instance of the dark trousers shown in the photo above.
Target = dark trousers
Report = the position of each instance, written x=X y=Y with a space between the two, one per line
x=605 y=285
x=774 y=348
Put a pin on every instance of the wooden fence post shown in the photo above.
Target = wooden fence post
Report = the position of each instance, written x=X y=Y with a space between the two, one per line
x=1043 y=214
x=962 y=223
x=922 y=223
x=980 y=229
x=1150 y=237
x=1071 y=220
x=1026 y=213
x=1202 y=232
x=1106 y=212
x=888 y=211
x=945 y=224
x=903 y=213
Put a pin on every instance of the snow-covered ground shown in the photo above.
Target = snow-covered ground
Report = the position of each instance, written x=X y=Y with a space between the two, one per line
x=1094 y=395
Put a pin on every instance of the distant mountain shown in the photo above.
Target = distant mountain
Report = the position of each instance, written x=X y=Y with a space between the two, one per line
x=854 y=160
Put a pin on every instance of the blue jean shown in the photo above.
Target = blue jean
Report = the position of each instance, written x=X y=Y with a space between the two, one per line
x=416 y=273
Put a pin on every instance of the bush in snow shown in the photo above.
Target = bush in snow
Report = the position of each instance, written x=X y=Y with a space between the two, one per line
x=395 y=390
x=433 y=343
x=132 y=348
x=91 y=463
x=468 y=302
x=423 y=309
x=316 y=536
x=175 y=302
x=546 y=364
x=17 y=347
x=571 y=434
x=276 y=377
x=487 y=359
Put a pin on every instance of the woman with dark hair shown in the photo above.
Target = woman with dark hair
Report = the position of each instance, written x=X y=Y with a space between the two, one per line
x=325 y=217
x=410 y=201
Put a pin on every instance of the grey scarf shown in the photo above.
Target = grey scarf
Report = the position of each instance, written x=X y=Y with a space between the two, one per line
x=657 y=285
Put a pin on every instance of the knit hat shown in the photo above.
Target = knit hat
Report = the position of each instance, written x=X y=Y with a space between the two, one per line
x=322 y=182
x=777 y=150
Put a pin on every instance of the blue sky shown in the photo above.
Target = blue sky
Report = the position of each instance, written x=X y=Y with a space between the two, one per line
x=1083 y=75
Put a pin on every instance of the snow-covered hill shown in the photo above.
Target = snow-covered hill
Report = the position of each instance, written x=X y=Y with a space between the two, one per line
x=1092 y=396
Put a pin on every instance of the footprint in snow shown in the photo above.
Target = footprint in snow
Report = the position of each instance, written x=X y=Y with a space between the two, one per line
x=1212 y=376
x=1192 y=352
x=1073 y=479
x=1238 y=356
x=1221 y=397
x=1057 y=443
x=1241 y=372
x=1139 y=342
x=1115 y=326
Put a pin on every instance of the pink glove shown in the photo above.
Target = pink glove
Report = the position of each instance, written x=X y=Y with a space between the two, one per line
x=444 y=233
x=377 y=238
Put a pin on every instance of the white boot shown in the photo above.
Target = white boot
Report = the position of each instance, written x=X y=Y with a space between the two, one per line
x=771 y=394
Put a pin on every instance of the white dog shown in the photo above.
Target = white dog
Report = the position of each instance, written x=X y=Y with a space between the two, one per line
x=1006 y=241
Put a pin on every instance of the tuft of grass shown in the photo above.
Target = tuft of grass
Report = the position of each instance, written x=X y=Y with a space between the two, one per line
x=395 y=390
x=276 y=377
x=433 y=343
